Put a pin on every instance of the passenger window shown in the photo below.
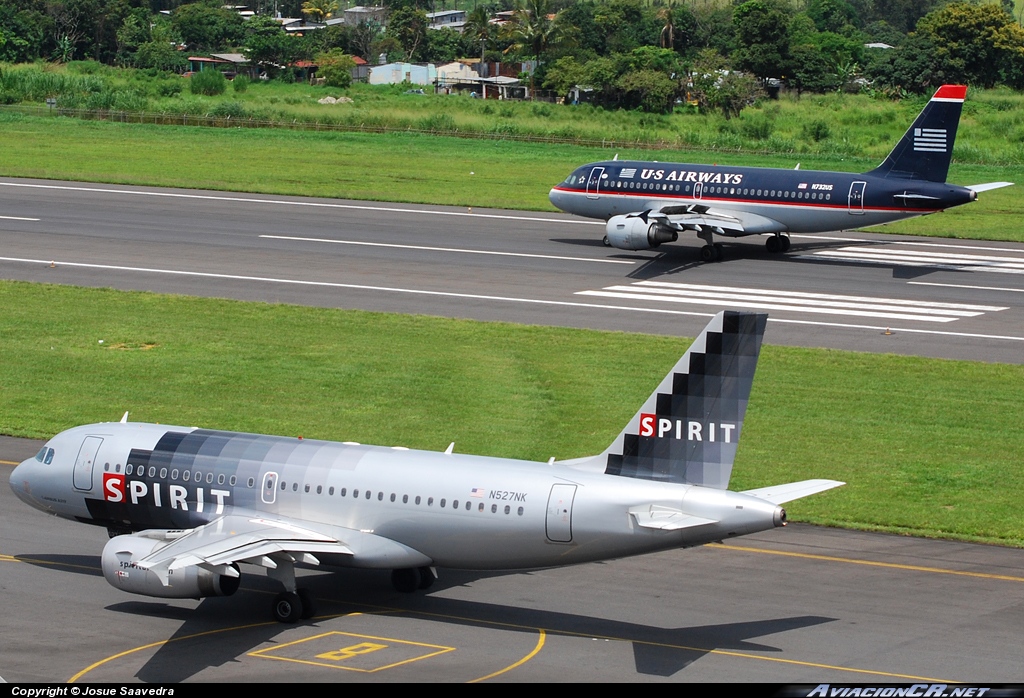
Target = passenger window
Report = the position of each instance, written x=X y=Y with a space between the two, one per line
x=163 y=473
x=494 y=508
x=430 y=501
x=380 y=496
x=250 y=482
x=330 y=491
x=455 y=504
x=185 y=475
x=355 y=494
x=520 y=511
x=343 y=491
x=507 y=509
x=405 y=499
x=481 y=507
x=220 y=479
x=295 y=487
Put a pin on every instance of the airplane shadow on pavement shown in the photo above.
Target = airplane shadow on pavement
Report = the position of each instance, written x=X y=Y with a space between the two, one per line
x=221 y=631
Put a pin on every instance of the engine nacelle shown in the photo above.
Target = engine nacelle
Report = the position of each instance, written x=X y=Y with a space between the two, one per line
x=632 y=233
x=118 y=562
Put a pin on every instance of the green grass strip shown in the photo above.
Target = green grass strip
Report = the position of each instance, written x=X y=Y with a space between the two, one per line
x=928 y=446
x=404 y=167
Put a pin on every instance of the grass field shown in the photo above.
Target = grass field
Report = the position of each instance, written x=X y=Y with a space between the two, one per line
x=403 y=167
x=928 y=447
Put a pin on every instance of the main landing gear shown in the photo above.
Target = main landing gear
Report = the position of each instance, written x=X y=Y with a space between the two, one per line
x=293 y=603
x=777 y=244
x=410 y=579
x=712 y=251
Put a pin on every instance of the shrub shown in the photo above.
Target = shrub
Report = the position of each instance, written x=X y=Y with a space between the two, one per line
x=240 y=83
x=208 y=82
x=816 y=131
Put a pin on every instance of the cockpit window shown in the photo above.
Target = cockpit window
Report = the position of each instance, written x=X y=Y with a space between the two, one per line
x=49 y=456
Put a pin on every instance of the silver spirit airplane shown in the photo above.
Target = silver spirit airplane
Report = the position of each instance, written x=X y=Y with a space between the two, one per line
x=648 y=203
x=186 y=506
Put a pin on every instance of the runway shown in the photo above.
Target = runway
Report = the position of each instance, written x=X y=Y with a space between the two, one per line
x=795 y=605
x=866 y=292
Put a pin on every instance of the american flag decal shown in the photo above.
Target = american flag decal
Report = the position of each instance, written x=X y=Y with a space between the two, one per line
x=476 y=492
x=628 y=172
x=930 y=140
x=802 y=185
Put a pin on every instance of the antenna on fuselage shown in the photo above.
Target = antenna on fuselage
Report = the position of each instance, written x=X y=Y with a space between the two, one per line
x=797 y=166
x=124 y=417
x=451 y=447
x=616 y=157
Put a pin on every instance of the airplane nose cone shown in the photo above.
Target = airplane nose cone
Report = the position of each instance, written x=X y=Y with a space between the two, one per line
x=19 y=483
x=556 y=198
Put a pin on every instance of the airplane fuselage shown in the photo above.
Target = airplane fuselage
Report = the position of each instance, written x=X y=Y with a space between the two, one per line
x=401 y=507
x=800 y=201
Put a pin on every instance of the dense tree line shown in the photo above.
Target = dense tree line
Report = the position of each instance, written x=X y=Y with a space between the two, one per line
x=645 y=54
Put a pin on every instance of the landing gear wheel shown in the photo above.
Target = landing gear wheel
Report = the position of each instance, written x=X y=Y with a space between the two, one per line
x=308 y=604
x=427 y=578
x=406 y=581
x=773 y=245
x=784 y=241
x=287 y=607
x=607 y=242
x=707 y=253
x=719 y=253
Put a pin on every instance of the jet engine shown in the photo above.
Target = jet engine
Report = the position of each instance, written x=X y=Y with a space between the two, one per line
x=121 y=553
x=635 y=233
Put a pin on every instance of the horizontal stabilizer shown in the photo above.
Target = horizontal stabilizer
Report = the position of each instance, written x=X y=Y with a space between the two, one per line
x=666 y=518
x=780 y=494
x=989 y=186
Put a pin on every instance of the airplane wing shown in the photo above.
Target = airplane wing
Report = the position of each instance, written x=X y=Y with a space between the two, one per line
x=780 y=494
x=267 y=541
x=723 y=221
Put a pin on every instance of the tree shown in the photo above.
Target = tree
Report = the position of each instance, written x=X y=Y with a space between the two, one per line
x=319 y=10
x=268 y=44
x=534 y=29
x=975 y=44
x=208 y=27
x=408 y=26
x=762 y=32
x=22 y=33
x=335 y=67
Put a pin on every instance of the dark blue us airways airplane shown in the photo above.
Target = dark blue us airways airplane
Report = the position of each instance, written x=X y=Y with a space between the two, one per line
x=185 y=507
x=648 y=203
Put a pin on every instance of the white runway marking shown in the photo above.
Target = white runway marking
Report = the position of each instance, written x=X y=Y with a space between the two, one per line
x=447 y=249
x=975 y=288
x=510 y=299
x=17 y=218
x=311 y=204
x=794 y=301
x=1003 y=264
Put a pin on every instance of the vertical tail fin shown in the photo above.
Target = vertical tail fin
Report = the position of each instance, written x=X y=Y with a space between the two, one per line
x=925 y=150
x=689 y=428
